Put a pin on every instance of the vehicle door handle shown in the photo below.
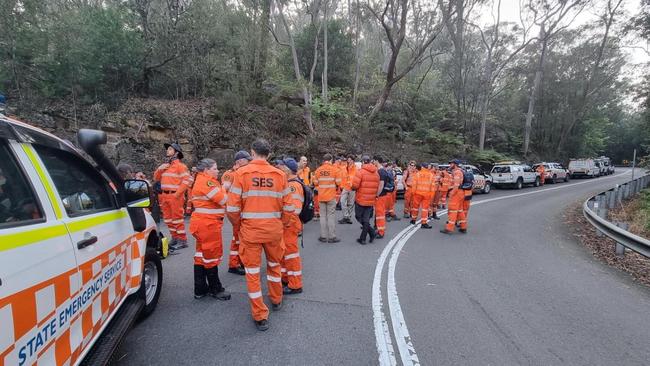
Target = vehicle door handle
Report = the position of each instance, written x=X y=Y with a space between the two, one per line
x=86 y=242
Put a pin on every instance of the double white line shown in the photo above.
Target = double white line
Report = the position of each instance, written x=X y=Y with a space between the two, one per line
x=407 y=353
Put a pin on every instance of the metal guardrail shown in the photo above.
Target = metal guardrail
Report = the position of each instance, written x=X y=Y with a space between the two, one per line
x=595 y=210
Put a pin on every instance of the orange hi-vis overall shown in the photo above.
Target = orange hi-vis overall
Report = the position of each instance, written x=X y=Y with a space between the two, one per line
x=433 y=207
x=291 y=262
x=409 y=181
x=445 y=186
x=423 y=192
x=174 y=181
x=542 y=173
x=390 y=208
x=233 y=254
x=456 y=201
x=342 y=173
x=381 y=208
x=259 y=202
x=209 y=200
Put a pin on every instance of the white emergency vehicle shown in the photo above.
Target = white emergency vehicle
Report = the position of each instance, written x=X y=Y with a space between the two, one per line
x=78 y=252
x=514 y=174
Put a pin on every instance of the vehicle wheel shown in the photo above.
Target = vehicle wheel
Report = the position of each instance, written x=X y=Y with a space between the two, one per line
x=536 y=184
x=566 y=178
x=152 y=276
x=520 y=183
x=487 y=188
x=554 y=180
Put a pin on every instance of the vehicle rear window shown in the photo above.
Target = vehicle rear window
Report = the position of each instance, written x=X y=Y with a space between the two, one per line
x=501 y=169
x=18 y=202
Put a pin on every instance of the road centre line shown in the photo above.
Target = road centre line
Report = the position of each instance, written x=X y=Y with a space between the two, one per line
x=406 y=349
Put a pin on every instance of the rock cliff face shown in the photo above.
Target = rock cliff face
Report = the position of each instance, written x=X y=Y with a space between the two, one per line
x=138 y=128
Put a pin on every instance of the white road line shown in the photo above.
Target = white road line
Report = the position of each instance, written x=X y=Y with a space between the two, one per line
x=405 y=346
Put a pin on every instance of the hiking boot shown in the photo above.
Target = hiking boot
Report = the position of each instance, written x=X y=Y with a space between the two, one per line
x=349 y=221
x=412 y=222
x=389 y=218
x=445 y=231
x=291 y=291
x=435 y=217
x=373 y=235
x=262 y=325
x=464 y=231
x=426 y=226
x=406 y=216
x=379 y=236
x=222 y=295
x=322 y=240
x=276 y=307
x=362 y=242
x=237 y=270
x=343 y=221
x=395 y=218
x=334 y=240
x=181 y=244
x=199 y=296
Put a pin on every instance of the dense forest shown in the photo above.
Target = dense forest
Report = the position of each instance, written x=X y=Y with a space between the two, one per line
x=409 y=78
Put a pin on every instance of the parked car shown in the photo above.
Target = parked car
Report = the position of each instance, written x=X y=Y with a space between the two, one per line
x=399 y=186
x=79 y=257
x=514 y=174
x=608 y=166
x=581 y=168
x=482 y=180
x=553 y=172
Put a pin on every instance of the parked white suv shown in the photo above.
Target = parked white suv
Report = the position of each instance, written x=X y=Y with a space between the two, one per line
x=514 y=174
x=553 y=172
x=583 y=168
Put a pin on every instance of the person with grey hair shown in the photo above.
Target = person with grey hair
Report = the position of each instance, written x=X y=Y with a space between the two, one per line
x=125 y=170
x=209 y=200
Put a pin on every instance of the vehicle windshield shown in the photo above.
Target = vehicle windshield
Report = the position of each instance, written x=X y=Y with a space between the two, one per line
x=501 y=169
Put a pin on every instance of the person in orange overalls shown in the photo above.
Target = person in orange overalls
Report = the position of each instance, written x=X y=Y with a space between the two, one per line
x=422 y=194
x=409 y=180
x=259 y=202
x=391 y=216
x=348 y=195
x=542 y=174
x=234 y=262
x=383 y=196
x=209 y=200
x=456 y=200
x=291 y=263
x=445 y=183
x=174 y=180
x=433 y=205
x=327 y=179
x=341 y=164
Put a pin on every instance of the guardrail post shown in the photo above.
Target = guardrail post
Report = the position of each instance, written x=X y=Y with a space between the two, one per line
x=612 y=198
x=601 y=210
x=620 y=248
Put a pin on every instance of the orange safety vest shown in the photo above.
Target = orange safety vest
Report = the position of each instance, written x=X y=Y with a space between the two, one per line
x=456 y=178
x=424 y=183
x=176 y=178
x=304 y=175
x=410 y=177
x=259 y=201
x=208 y=197
x=298 y=199
x=348 y=175
x=326 y=178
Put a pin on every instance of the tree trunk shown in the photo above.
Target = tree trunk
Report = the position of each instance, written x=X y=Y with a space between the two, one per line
x=296 y=68
x=262 y=44
x=357 y=61
x=324 y=77
x=534 y=92
x=381 y=101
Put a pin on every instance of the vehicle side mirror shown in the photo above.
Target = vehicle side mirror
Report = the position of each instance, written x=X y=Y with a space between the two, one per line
x=137 y=193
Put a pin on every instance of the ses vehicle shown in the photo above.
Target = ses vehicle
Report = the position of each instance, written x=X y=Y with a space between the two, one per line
x=399 y=186
x=553 y=172
x=79 y=255
x=514 y=174
x=482 y=181
x=605 y=165
x=583 y=168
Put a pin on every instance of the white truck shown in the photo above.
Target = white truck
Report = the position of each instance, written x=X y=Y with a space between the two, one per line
x=78 y=252
x=583 y=168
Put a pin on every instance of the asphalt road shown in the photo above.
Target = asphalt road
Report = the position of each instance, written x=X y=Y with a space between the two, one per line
x=516 y=290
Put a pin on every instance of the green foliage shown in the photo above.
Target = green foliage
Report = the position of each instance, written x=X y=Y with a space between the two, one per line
x=486 y=158
x=340 y=55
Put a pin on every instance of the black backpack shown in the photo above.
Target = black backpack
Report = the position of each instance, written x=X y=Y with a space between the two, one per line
x=468 y=180
x=307 y=212
x=389 y=184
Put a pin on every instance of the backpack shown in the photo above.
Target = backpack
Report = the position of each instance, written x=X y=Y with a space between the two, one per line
x=389 y=184
x=307 y=212
x=468 y=180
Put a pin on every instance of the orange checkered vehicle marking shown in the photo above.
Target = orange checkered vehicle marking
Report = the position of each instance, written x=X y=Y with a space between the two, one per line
x=54 y=321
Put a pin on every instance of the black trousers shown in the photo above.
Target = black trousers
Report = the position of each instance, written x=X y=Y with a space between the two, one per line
x=363 y=215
